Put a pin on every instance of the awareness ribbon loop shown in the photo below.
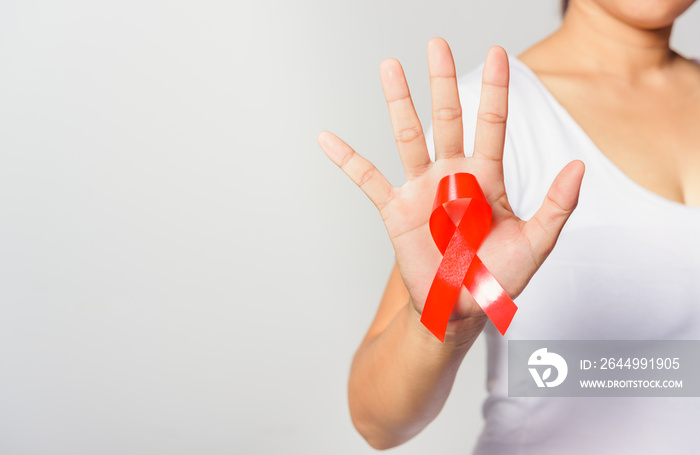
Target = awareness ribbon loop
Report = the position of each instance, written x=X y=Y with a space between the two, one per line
x=459 y=223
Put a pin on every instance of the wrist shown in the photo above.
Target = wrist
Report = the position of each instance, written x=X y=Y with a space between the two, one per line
x=460 y=334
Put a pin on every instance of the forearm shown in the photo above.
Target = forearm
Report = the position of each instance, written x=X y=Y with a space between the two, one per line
x=400 y=379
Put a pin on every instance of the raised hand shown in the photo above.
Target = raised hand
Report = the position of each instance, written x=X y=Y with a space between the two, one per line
x=514 y=249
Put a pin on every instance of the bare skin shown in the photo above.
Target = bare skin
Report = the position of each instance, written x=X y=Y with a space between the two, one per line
x=386 y=408
x=630 y=78
x=401 y=374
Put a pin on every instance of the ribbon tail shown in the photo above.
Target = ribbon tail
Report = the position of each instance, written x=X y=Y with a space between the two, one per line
x=490 y=295
x=447 y=285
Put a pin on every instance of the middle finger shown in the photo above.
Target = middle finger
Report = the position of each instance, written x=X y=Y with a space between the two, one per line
x=447 y=111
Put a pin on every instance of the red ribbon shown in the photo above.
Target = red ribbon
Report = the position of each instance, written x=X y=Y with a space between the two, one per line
x=459 y=223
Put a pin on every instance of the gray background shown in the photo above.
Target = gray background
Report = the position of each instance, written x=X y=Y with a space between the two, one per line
x=182 y=270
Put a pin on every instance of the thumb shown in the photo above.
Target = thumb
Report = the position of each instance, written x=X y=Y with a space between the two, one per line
x=542 y=230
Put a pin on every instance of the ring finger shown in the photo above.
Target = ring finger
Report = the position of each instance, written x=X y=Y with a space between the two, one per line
x=408 y=131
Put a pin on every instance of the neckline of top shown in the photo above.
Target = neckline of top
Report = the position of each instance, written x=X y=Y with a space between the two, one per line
x=641 y=190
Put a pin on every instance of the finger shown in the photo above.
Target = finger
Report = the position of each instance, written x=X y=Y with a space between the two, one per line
x=490 y=131
x=542 y=230
x=447 y=111
x=408 y=132
x=360 y=170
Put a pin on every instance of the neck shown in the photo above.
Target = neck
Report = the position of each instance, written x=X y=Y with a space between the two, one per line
x=604 y=43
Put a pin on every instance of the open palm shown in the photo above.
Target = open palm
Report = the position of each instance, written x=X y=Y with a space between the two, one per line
x=514 y=249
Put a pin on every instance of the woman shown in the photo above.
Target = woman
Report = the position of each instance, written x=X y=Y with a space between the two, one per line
x=604 y=89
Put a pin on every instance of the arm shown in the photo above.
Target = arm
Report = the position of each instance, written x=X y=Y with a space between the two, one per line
x=385 y=408
x=401 y=374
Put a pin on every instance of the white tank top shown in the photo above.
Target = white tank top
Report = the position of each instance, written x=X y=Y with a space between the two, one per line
x=626 y=267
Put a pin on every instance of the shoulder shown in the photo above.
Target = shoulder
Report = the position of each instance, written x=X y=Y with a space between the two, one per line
x=535 y=134
x=523 y=82
x=530 y=105
x=530 y=111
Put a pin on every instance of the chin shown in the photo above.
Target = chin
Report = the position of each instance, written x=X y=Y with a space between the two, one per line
x=646 y=14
